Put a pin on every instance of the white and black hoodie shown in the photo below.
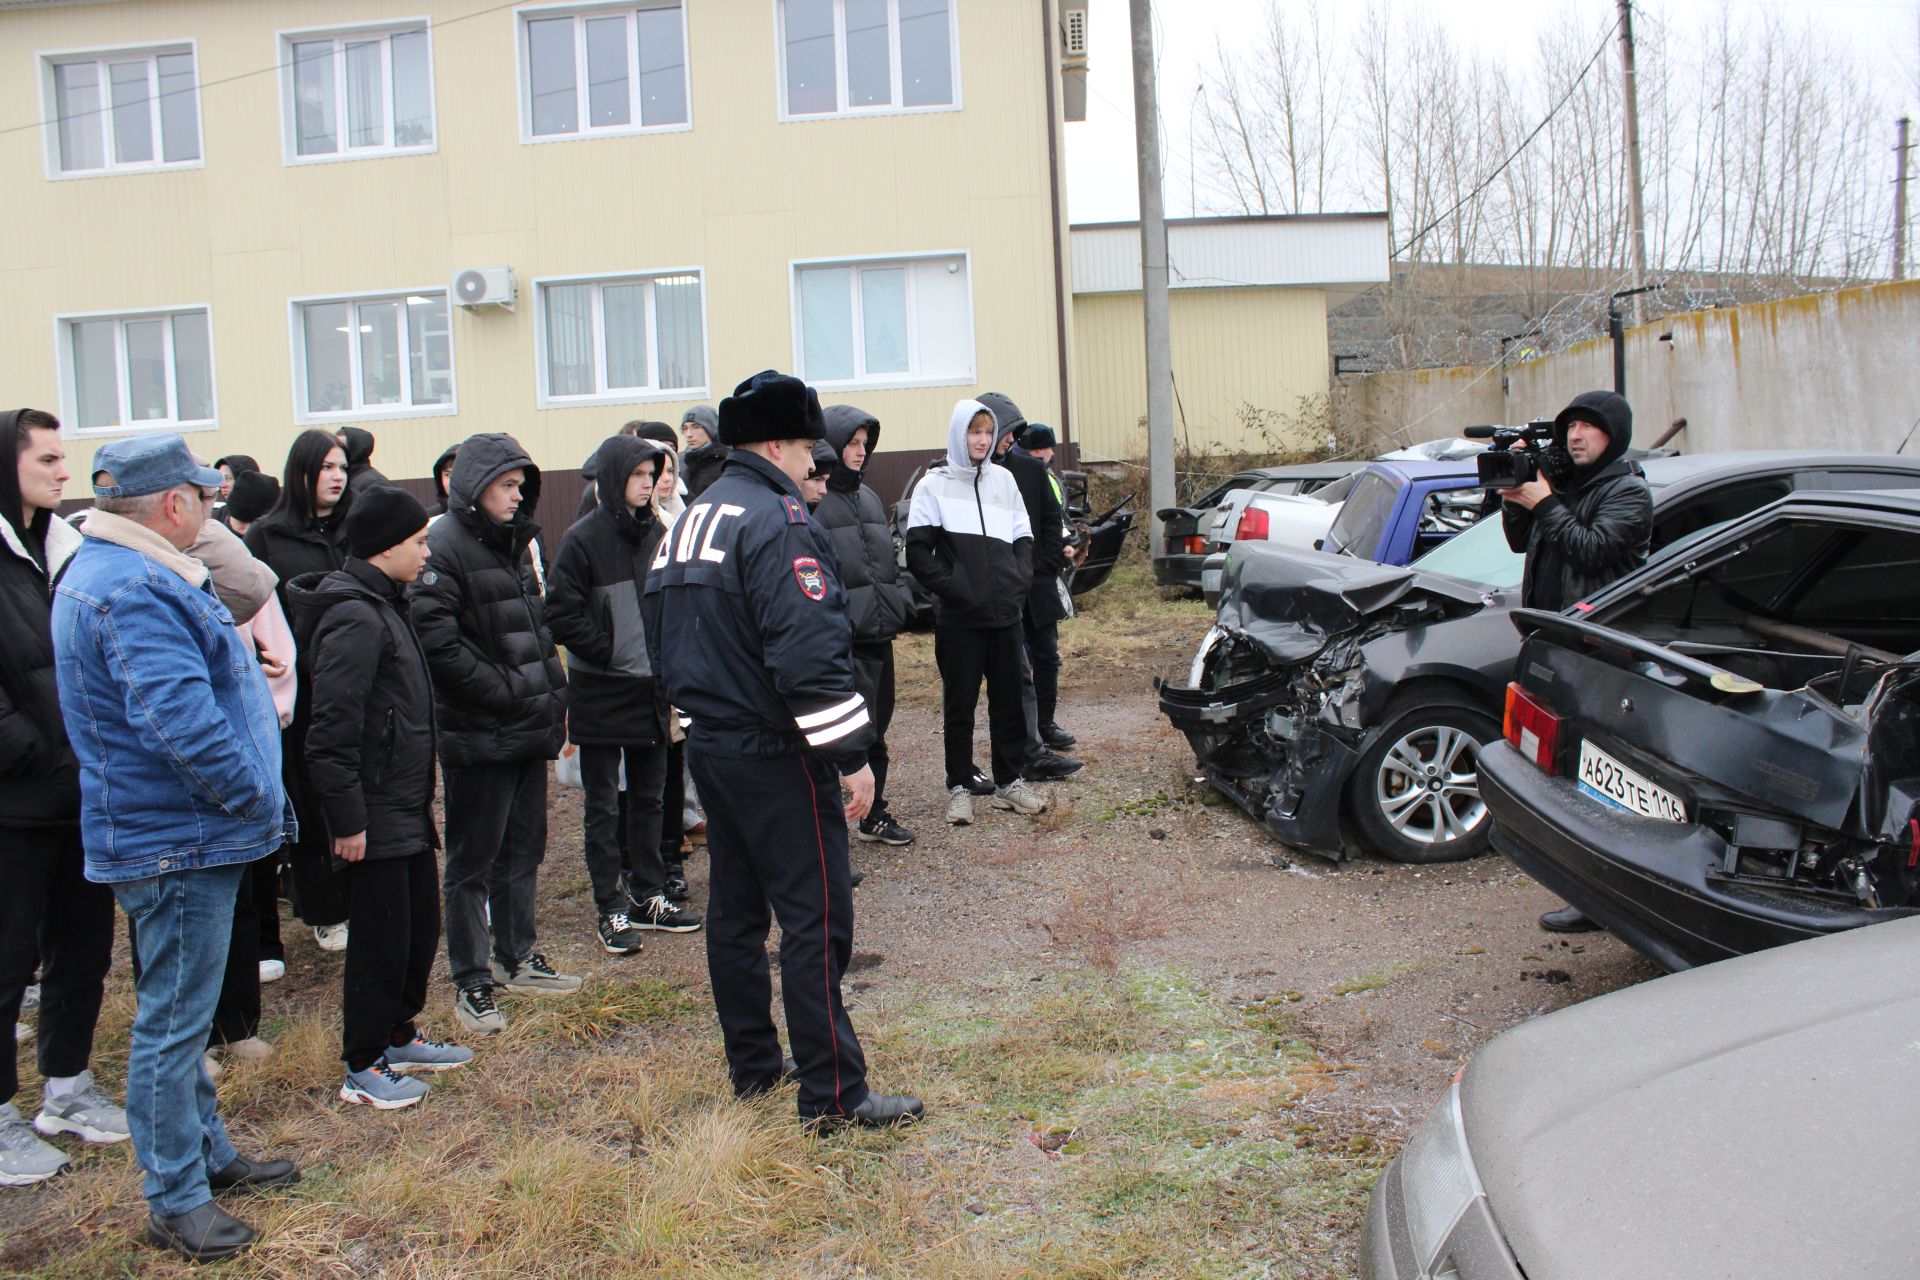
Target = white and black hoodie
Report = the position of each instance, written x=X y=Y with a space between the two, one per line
x=968 y=540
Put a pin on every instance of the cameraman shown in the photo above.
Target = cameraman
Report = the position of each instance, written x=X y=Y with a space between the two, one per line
x=1584 y=521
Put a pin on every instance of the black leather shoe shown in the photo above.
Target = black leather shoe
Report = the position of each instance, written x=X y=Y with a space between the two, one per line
x=979 y=784
x=1055 y=737
x=855 y=876
x=1568 y=920
x=789 y=1071
x=253 y=1175
x=677 y=889
x=206 y=1234
x=879 y=1111
x=1047 y=767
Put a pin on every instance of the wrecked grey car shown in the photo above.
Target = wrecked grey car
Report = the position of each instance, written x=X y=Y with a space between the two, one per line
x=1344 y=702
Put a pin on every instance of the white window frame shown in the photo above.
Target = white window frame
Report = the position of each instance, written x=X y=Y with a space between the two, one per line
x=545 y=399
x=603 y=8
x=46 y=60
x=340 y=34
x=297 y=330
x=69 y=389
x=911 y=378
x=841 y=110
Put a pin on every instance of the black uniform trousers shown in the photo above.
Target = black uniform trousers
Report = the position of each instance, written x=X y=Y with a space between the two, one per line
x=390 y=949
x=53 y=920
x=964 y=654
x=777 y=840
x=873 y=679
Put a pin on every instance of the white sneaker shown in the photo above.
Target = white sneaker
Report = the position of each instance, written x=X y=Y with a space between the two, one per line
x=1019 y=797
x=959 y=806
x=86 y=1112
x=24 y=1159
x=272 y=970
x=330 y=937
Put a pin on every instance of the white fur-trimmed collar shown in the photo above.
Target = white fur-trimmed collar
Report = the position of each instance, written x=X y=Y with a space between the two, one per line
x=62 y=541
x=123 y=532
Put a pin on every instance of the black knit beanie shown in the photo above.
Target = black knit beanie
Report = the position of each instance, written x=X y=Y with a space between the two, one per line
x=253 y=495
x=382 y=517
x=771 y=406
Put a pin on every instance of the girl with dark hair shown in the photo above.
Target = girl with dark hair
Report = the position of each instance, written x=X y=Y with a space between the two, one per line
x=306 y=532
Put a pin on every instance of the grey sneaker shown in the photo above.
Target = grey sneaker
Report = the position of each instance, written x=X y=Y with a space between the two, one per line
x=477 y=1012
x=959 y=806
x=534 y=974
x=86 y=1112
x=1019 y=797
x=382 y=1088
x=24 y=1159
x=422 y=1054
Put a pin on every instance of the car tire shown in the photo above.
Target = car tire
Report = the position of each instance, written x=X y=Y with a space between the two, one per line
x=1415 y=791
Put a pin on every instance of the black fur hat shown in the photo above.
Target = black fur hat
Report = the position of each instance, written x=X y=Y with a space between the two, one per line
x=771 y=406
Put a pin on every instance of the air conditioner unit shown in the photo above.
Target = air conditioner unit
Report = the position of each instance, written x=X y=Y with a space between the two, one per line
x=484 y=287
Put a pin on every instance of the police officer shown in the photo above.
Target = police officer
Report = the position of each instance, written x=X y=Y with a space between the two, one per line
x=748 y=624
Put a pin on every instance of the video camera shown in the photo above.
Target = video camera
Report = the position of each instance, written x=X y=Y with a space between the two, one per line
x=1504 y=467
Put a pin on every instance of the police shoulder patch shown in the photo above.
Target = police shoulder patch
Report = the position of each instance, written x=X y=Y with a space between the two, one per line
x=796 y=510
x=811 y=577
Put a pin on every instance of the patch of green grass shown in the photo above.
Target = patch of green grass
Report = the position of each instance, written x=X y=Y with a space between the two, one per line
x=1373 y=981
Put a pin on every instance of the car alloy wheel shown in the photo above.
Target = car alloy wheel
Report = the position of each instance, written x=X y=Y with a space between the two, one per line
x=1416 y=794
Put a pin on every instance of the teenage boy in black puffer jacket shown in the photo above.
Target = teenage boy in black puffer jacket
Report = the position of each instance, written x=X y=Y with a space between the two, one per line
x=370 y=752
x=619 y=709
x=878 y=603
x=500 y=694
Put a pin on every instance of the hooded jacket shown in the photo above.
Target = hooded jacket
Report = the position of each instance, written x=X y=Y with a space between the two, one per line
x=293 y=548
x=1044 y=511
x=878 y=603
x=701 y=467
x=360 y=469
x=1596 y=525
x=439 y=486
x=39 y=777
x=500 y=693
x=968 y=538
x=594 y=605
x=370 y=731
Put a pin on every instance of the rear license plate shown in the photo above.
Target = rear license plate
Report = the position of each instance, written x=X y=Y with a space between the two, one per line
x=1606 y=779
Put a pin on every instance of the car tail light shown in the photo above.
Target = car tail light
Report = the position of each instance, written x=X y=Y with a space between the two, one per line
x=1253 y=524
x=1532 y=728
x=1196 y=545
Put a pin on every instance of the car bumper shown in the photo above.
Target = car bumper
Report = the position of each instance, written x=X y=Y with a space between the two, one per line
x=1181 y=570
x=1652 y=883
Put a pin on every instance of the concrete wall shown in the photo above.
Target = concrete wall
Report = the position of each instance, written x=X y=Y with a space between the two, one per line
x=1836 y=370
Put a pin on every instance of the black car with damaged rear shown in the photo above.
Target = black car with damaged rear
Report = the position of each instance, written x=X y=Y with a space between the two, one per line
x=1723 y=755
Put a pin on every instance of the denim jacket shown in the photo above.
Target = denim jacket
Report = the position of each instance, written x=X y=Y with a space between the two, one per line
x=168 y=712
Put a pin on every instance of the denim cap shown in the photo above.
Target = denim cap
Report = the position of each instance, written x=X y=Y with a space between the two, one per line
x=149 y=464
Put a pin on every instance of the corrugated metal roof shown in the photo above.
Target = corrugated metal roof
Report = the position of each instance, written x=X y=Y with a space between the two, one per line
x=1213 y=253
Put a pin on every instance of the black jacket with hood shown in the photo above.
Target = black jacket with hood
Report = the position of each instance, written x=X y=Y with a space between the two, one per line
x=361 y=473
x=968 y=539
x=370 y=731
x=439 y=486
x=39 y=777
x=1596 y=525
x=701 y=467
x=1044 y=512
x=594 y=604
x=500 y=692
x=293 y=548
x=878 y=603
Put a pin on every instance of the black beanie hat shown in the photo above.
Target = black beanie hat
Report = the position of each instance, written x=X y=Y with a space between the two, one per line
x=382 y=517
x=771 y=406
x=252 y=496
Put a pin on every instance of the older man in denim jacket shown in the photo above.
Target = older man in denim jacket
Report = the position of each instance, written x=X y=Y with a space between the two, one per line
x=179 y=750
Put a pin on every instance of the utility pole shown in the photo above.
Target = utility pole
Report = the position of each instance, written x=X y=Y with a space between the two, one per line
x=1153 y=270
x=1900 y=149
x=1636 y=210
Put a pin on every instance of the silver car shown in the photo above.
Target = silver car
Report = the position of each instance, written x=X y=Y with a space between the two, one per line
x=1747 y=1119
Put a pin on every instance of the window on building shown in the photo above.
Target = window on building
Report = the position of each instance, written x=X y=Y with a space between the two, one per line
x=376 y=356
x=127 y=111
x=148 y=369
x=884 y=321
x=610 y=69
x=364 y=92
x=847 y=56
x=622 y=338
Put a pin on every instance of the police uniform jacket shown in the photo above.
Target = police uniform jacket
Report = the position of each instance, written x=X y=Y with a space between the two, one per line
x=747 y=623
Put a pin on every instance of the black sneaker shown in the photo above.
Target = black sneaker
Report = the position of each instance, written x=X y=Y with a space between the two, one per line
x=657 y=913
x=885 y=830
x=979 y=784
x=1047 y=767
x=1056 y=738
x=618 y=936
x=677 y=889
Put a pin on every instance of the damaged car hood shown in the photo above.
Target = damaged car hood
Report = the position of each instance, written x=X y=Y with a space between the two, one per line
x=1292 y=602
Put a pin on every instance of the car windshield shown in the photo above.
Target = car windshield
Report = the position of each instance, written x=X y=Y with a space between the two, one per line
x=1363 y=518
x=1479 y=555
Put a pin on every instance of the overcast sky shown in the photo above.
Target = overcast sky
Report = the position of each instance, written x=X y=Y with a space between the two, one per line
x=1100 y=152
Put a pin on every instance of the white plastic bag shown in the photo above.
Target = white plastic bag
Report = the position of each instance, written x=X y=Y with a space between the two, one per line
x=566 y=770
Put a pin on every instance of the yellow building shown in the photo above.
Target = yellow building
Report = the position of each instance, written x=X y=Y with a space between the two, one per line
x=238 y=219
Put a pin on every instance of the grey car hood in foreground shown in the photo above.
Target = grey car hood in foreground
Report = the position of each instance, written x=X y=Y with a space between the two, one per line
x=1746 y=1119
x=1290 y=602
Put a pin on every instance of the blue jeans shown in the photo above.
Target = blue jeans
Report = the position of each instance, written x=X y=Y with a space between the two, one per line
x=182 y=923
